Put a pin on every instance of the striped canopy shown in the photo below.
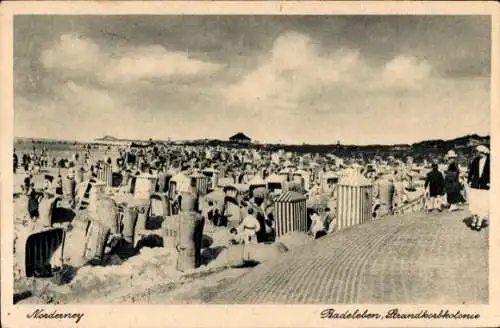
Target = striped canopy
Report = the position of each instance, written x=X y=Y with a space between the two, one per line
x=289 y=196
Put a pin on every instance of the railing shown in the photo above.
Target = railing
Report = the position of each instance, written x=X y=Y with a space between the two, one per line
x=415 y=205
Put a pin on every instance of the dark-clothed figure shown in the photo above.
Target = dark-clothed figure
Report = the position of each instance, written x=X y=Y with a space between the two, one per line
x=59 y=185
x=33 y=204
x=261 y=217
x=435 y=183
x=198 y=237
x=27 y=183
x=479 y=183
x=452 y=186
x=479 y=172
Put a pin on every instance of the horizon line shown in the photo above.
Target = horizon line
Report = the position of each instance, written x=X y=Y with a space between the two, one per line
x=255 y=141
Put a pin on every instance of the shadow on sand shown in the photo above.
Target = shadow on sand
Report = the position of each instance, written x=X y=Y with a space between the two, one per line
x=468 y=223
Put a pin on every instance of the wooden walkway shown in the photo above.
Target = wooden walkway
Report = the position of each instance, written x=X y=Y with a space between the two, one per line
x=415 y=258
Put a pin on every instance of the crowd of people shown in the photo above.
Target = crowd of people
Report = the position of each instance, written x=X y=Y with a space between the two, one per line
x=453 y=188
x=251 y=214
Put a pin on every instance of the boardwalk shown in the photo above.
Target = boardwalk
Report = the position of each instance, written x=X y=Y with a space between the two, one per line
x=416 y=258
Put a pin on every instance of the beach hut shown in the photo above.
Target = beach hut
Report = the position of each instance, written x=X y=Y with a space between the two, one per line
x=275 y=183
x=105 y=174
x=213 y=176
x=354 y=201
x=163 y=180
x=303 y=177
x=160 y=205
x=231 y=190
x=226 y=181
x=179 y=183
x=200 y=181
x=127 y=219
x=256 y=182
x=286 y=173
x=315 y=170
x=39 y=248
x=290 y=213
x=242 y=188
x=328 y=181
x=145 y=185
x=217 y=197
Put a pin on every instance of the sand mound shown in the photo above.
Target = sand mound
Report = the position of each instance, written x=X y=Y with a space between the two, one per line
x=292 y=240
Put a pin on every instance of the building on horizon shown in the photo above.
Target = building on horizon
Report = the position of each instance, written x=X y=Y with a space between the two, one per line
x=111 y=141
x=240 y=138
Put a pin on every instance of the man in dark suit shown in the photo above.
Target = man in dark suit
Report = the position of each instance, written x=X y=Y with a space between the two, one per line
x=478 y=180
x=479 y=170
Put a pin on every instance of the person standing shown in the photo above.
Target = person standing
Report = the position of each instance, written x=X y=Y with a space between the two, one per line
x=478 y=181
x=198 y=237
x=435 y=183
x=452 y=182
x=72 y=190
x=250 y=226
x=59 y=185
x=27 y=182
x=262 y=234
x=34 y=199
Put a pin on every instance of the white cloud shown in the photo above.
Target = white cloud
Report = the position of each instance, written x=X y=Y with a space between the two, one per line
x=155 y=62
x=76 y=112
x=295 y=68
x=298 y=93
x=72 y=55
x=406 y=71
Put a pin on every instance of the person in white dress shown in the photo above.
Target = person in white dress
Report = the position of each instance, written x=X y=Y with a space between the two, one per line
x=249 y=228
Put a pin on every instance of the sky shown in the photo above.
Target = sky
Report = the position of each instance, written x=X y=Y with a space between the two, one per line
x=289 y=79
